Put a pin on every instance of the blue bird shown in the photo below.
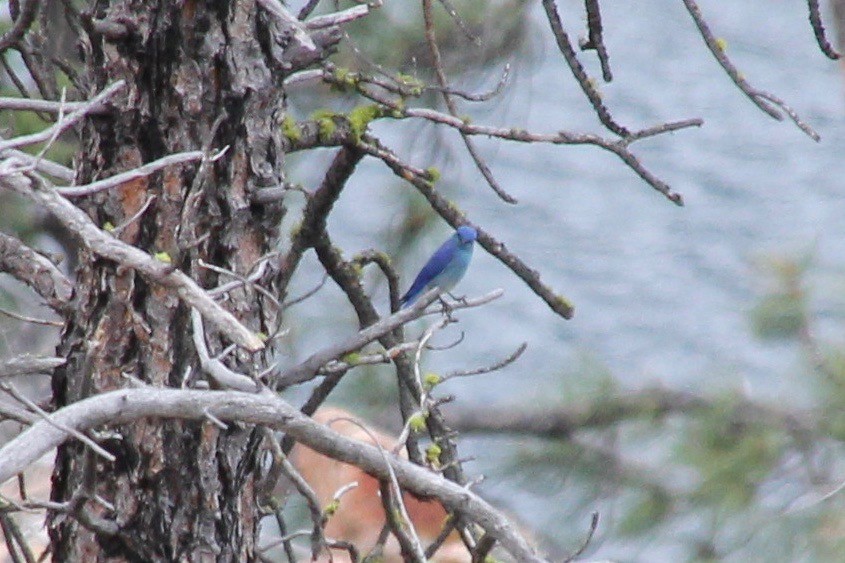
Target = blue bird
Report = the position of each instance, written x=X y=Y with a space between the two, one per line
x=445 y=268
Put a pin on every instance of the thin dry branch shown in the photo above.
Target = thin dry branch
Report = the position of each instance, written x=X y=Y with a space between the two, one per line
x=309 y=368
x=586 y=83
x=23 y=21
x=268 y=409
x=512 y=357
x=338 y=18
x=818 y=30
x=309 y=132
x=224 y=376
x=595 y=40
x=139 y=172
x=104 y=244
x=760 y=98
x=26 y=364
x=36 y=271
x=72 y=432
x=48 y=167
x=30 y=104
x=440 y=73
x=89 y=107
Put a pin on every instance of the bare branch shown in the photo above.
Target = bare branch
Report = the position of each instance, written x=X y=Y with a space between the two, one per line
x=224 y=376
x=338 y=18
x=310 y=367
x=107 y=246
x=140 y=172
x=440 y=73
x=483 y=96
x=268 y=409
x=27 y=319
x=30 y=104
x=487 y=369
x=455 y=217
x=73 y=432
x=281 y=461
x=760 y=98
x=49 y=167
x=595 y=40
x=818 y=30
x=70 y=120
x=22 y=24
x=36 y=271
x=586 y=83
x=26 y=364
x=594 y=524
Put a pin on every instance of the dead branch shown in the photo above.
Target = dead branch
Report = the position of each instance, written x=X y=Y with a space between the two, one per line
x=268 y=409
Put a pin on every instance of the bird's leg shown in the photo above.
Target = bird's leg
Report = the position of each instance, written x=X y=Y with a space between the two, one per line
x=462 y=299
x=447 y=309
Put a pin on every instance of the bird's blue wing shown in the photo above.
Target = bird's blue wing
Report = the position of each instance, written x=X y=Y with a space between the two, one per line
x=434 y=267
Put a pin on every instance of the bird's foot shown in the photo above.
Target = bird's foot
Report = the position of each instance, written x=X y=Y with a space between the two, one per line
x=446 y=309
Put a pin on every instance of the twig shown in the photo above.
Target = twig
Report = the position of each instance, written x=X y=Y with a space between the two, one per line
x=310 y=293
x=421 y=390
x=14 y=393
x=26 y=364
x=135 y=216
x=818 y=30
x=72 y=118
x=337 y=18
x=594 y=523
x=483 y=96
x=397 y=520
x=455 y=217
x=244 y=281
x=35 y=270
x=307 y=9
x=318 y=540
x=716 y=47
x=459 y=21
x=483 y=548
x=578 y=71
x=215 y=368
x=49 y=167
x=440 y=73
x=309 y=368
x=31 y=104
x=595 y=40
x=392 y=499
x=14 y=537
x=487 y=369
x=139 y=172
x=22 y=23
x=809 y=131
x=33 y=320
x=384 y=357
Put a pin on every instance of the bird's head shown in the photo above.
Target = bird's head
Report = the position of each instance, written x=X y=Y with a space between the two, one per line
x=466 y=234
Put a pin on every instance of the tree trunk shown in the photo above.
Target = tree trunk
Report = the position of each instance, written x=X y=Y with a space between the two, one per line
x=199 y=76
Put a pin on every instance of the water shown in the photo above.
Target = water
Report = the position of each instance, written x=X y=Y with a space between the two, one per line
x=662 y=293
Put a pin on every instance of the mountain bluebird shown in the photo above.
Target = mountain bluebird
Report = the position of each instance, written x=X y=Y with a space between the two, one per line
x=446 y=267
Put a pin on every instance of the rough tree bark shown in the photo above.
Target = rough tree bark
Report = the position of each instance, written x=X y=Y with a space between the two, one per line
x=199 y=75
